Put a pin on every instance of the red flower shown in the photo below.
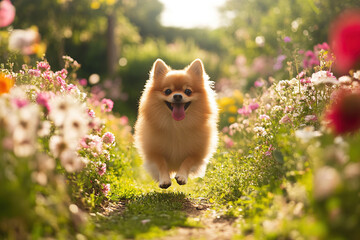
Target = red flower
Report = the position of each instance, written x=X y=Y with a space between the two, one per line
x=344 y=39
x=344 y=113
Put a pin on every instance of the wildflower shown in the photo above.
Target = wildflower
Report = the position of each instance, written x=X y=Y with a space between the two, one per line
x=43 y=66
x=310 y=118
x=6 y=83
x=287 y=39
x=278 y=64
x=264 y=116
x=20 y=102
x=105 y=189
x=344 y=113
x=323 y=77
x=70 y=160
x=57 y=145
x=83 y=82
x=344 y=40
x=75 y=126
x=258 y=83
x=107 y=105
x=95 y=144
x=260 y=131
x=246 y=111
x=269 y=151
x=345 y=80
x=91 y=113
x=253 y=106
x=357 y=74
x=108 y=138
x=60 y=106
x=7 y=13
x=307 y=133
x=228 y=142
x=326 y=180
x=285 y=119
x=101 y=168
x=34 y=72
x=43 y=98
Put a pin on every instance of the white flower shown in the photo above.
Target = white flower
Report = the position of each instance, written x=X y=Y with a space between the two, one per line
x=326 y=180
x=71 y=161
x=323 y=77
x=57 y=145
x=75 y=126
x=260 y=131
x=345 y=80
x=357 y=74
x=307 y=133
x=60 y=106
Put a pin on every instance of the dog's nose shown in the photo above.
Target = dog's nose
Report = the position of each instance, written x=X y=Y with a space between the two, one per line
x=177 y=97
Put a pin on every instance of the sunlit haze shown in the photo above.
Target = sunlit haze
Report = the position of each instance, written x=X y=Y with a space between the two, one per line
x=191 y=13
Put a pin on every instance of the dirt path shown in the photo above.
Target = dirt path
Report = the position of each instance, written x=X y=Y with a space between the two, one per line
x=214 y=226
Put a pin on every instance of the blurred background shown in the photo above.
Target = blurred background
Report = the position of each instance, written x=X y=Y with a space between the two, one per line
x=241 y=42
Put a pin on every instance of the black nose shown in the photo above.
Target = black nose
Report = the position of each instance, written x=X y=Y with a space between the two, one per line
x=177 y=97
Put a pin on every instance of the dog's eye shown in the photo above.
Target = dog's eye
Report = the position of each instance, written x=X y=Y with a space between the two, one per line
x=168 y=92
x=188 y=92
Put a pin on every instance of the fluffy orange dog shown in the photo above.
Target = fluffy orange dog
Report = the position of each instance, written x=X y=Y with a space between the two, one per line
x=176 y=130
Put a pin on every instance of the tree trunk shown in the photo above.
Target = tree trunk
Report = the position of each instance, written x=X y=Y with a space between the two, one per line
x=111 y=45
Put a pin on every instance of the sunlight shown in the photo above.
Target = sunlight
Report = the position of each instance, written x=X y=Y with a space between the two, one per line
x=190 y=14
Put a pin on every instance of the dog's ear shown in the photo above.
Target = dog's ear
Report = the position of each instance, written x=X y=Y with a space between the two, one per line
x=196 y=68
x=159 y=69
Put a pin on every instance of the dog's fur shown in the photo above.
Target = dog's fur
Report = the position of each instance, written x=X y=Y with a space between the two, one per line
x=182 y=142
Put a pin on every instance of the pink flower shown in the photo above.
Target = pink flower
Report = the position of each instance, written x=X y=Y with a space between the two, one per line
x=253 y=106
x=19 y=103
x=310 y=118
x=101 y=168
x=107 y=105
x=7 y=13
x=43 y=99
x=287 y=39
x=285 y=119
x=91 y=113
x=124 y=120
x=258 y=83
x=105 y=189
x=228 y=142
x=269 y=151
x=43 y=66
x=35 y=72
x=83 y=82
x=108 y=138
x=246 y=111
x=264 y=116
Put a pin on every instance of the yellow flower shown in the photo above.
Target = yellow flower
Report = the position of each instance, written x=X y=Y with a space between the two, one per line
x=95 y=5
x=231 y=119
x=232 y=109
x=6 y=83
x=238 y=96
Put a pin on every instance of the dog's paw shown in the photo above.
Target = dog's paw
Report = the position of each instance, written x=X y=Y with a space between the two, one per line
x=181 y=180
x=164 y=185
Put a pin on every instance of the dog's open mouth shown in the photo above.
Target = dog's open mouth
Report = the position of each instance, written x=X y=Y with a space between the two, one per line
x=178 y=109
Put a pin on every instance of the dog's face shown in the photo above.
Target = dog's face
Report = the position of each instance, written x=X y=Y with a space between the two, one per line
x=176 y=92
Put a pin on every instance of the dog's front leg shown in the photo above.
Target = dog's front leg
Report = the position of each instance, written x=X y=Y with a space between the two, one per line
x=164 y=176
x=183 y=173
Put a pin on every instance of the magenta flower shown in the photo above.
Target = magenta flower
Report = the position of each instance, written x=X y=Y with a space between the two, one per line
x=285 y=119
x=246 y=111
x=43 y=99
x=43 y=66
x=91 y=113
x=7 y=13
x=107 y=105
x=108 y=138
x=34 y=72
x=124 y=120
x=287 y=39
x=83 y=82
x=19 y=103
x=253 y=106
x=258 y=83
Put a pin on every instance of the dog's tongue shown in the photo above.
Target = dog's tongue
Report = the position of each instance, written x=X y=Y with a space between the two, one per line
x=178 y=112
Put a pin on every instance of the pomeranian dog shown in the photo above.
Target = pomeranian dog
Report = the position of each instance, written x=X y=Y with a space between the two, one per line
x=176 y=129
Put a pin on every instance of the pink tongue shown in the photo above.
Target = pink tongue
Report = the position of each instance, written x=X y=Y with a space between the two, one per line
x=178 y=112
